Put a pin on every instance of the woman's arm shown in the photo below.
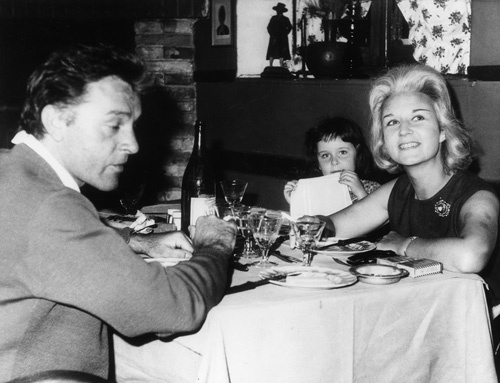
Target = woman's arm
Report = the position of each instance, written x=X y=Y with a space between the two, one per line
x=364 y=216
x=468 y=253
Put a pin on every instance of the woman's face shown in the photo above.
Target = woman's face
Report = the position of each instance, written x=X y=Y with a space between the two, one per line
x=336 y=155
x=411 y=129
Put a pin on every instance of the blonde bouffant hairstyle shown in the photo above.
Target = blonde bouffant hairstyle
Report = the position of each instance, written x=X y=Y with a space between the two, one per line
x=456 y=149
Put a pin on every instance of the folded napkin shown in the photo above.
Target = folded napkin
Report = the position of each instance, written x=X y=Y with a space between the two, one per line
x=319 y=195
x=142 y=224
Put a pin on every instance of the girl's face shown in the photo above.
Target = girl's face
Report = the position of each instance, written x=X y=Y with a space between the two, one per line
x=411 y=129
x=336 y=155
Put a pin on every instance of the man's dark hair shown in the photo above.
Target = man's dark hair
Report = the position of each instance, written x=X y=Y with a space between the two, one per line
x=63 y=79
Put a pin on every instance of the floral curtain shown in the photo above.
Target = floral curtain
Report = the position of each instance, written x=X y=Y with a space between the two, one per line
x=439 y=32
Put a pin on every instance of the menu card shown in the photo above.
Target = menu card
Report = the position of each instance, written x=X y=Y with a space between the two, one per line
x=319 y=196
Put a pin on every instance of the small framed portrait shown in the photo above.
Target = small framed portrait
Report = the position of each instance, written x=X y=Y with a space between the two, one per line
x=222 y=22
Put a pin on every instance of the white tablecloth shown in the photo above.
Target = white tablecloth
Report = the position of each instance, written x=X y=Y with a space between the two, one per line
x=429 y=329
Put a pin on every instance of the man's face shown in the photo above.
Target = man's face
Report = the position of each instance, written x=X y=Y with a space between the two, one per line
x=99 y=134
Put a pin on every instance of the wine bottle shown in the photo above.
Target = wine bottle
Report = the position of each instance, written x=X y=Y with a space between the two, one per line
x=198 y=182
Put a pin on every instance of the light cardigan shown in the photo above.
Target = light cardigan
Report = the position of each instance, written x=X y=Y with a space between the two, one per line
x=65 y=278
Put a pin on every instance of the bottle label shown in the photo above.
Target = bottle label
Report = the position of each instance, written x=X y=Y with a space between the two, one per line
x=201 y=206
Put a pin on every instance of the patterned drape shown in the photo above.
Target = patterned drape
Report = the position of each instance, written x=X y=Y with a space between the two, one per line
x=439 y=32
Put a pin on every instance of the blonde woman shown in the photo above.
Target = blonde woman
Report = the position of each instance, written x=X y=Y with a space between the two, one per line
x=436 y=209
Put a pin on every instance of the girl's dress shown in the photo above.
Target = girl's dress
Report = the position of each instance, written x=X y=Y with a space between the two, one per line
x=369 y=186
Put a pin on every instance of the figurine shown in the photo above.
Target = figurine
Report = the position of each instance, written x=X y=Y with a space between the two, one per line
x=279 y=27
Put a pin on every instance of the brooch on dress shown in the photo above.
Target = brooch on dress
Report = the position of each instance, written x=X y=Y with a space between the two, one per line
x=442 y=208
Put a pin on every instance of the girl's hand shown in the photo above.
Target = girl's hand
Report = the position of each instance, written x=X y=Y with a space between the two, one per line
x=351 y=179
x=289 y=189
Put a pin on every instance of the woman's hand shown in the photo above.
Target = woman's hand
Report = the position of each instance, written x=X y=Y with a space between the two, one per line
x=351 y=179
x=289 y=189
x=393 y=241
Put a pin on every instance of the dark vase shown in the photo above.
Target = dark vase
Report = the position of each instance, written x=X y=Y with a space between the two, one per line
x=327 y=59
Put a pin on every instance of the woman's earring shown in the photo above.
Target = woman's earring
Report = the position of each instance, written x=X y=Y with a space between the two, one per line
x=442 y=136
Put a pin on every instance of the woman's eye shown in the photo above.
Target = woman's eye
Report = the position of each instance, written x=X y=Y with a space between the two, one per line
x=391 y=123
x=343 y=152
x=418 y=118
x=324 y=156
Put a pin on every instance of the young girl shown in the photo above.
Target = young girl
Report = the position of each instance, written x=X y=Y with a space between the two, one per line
x=337 y=145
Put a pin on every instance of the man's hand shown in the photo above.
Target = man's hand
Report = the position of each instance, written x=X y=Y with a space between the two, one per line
x=214 y=232
x=174 y=244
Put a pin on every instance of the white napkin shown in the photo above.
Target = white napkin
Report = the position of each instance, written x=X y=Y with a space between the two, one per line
x=320 y=195
x=142 y=224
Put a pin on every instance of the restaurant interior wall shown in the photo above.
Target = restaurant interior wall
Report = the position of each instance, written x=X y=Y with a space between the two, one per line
x=161 y=30
x=263 y=121
x=237 y=109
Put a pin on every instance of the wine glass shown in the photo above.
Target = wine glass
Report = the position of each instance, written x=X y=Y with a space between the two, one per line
x=265 y=231
x=223 y=211
x=245 y=216
x=130 y=196
x=308 y=232
x=233 y=191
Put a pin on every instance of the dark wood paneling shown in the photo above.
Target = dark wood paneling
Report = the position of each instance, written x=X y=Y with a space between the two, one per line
x=258 y=125
x=19 y=9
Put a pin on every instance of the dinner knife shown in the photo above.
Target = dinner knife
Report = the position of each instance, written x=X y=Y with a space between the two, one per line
x=250 y=285
x=344 y=242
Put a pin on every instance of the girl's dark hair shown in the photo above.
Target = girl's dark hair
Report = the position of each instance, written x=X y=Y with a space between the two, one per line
x=348 y=131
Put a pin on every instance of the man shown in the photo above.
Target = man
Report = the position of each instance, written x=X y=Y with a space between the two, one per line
x=64 y=276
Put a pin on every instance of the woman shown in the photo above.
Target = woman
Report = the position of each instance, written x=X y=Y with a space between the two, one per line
x=436 y=209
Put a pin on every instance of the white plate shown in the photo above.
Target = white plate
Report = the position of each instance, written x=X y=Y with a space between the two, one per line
x=350 y=249
x=165 y=261
x=343 y=278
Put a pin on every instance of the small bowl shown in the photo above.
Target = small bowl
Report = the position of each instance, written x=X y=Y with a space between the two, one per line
x=378 y=274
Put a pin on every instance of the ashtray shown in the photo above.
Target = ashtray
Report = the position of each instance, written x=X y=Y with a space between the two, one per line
x=376 y=274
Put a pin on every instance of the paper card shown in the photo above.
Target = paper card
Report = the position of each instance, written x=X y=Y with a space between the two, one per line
x=319 y=195
x=199 y=207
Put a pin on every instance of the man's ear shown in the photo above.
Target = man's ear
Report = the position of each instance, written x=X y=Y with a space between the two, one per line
x=54 y=121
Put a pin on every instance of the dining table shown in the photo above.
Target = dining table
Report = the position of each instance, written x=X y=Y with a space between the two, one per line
x=434 y=328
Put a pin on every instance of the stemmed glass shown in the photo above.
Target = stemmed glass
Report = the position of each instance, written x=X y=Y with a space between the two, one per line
x=233 y=191
x=247 y=214
x=265 y=231
x=308 y=232
x=130 y=196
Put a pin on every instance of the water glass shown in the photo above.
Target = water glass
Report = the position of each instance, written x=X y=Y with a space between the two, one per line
x=266 y=231
x=248 y=217
x=307 y=232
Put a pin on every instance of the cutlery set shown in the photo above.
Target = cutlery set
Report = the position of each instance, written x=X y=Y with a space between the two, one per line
x=253 y=284
x=344 y=242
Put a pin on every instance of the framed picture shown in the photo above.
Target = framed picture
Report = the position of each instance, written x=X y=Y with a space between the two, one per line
x=222 y=22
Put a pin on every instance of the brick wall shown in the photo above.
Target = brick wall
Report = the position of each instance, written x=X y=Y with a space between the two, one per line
x=167 y=45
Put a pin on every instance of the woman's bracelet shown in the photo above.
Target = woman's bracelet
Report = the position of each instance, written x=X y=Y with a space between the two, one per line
x=406 y=248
